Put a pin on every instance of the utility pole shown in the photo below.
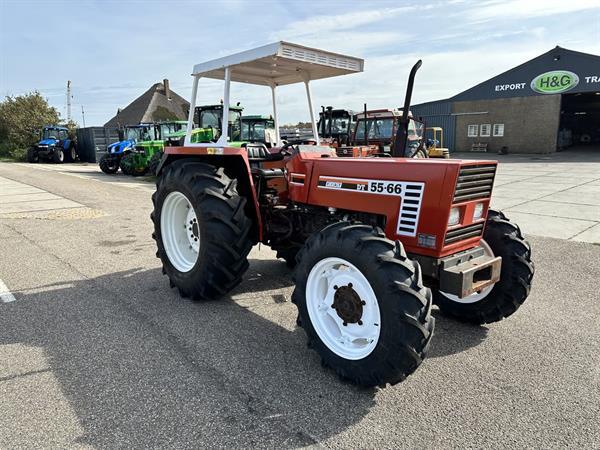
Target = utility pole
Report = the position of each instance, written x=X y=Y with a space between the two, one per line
x=69 y=101
x=83 y=116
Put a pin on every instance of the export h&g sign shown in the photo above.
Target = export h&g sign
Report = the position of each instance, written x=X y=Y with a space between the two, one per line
x=554 y=82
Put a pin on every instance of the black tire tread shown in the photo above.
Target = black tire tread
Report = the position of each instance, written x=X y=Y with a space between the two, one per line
x=506 y=240
x=402 y=292
x=105 y=167
x=220 y=207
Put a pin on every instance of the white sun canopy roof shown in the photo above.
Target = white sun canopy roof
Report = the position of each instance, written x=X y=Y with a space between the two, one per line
x=271 y=65
x=280 y=63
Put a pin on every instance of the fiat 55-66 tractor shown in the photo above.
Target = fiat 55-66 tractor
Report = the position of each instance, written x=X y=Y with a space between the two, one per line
x=375 y=240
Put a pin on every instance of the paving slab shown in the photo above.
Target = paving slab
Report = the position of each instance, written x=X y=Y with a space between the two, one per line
x=556 y=227
x=566 y=210
x=499 y=202
x=16 y=197
x=512 y=191
x=580 y=198
x=22 y=189
x=28 y=197
x=591 y=235
x=40 y=205
x=585 y=189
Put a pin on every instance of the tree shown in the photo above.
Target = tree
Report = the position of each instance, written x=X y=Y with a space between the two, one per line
x=21 y=119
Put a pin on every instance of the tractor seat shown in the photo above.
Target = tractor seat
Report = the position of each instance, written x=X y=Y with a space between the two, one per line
x=260 y=152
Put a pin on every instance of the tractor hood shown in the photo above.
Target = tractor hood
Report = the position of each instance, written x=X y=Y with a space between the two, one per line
x=48 y=142
x=121 y=146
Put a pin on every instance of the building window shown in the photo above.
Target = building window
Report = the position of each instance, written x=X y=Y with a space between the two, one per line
x=498 y=129
x=472 y=131
x=485 y=130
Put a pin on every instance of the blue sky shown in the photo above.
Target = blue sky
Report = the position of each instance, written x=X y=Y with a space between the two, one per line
x=114 y=50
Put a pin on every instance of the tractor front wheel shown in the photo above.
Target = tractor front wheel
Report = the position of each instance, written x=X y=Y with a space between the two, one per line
x=32 y=156
x=109 y=163
x=201 y=229
x=362 y=304
x=494 y=303
x=58 y=156
x=129 y=167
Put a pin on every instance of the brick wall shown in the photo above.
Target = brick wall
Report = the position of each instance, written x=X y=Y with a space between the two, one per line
x=530 y=123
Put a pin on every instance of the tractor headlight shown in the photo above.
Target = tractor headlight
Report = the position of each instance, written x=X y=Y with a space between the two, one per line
x=454 y=216
x=478 y=211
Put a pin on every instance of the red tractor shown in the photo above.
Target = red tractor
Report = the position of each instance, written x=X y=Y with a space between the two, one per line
x=375 y=241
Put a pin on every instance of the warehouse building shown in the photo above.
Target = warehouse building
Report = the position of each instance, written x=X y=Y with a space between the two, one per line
x=550 y=103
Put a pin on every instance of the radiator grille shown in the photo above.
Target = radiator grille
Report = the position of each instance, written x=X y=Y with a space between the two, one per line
x=463 y=233
x=474 y=182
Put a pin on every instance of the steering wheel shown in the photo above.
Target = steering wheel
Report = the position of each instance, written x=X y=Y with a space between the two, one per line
x=291 y=144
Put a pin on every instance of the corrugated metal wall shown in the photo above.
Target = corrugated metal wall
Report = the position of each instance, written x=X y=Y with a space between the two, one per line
x=92 y=142
x=438 y=114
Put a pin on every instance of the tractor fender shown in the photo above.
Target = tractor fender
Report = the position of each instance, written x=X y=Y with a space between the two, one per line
x=236 y=167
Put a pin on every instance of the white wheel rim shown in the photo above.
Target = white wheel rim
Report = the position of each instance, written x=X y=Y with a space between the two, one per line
x=354 y=340
x=180 y=231
x=477 y=296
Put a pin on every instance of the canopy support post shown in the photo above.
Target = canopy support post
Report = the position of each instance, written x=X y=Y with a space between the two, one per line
x=275 y=117
x=225 y=121
x=306 y=78
x=190 y=125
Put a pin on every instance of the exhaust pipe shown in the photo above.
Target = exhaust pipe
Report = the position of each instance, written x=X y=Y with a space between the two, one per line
x=399 y=149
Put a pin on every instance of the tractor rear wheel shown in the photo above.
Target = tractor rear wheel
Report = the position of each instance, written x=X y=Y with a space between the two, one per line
x=71 y=154
x=32 y=156
x=494 y=303
x=362 y=304
x=109 y=163
x=58 y=156
x=201 y=229
x=129 y=167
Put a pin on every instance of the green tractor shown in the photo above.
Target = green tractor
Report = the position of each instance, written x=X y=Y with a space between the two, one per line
x=145 y=155
x=260 y=129
x=209 y=120
x=118 y=151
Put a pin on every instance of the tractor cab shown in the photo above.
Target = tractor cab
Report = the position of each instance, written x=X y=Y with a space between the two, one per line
x=130 y=135
x=55 y=145
x=378 y=129
x=52 y=134
x=259 y=128
x=210 y=118
x=336 y=125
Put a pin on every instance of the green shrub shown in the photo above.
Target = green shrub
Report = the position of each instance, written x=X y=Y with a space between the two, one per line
x=22 y=117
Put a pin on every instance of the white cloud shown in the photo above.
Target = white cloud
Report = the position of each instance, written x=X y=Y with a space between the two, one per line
x=323 y=25
x=520 y=9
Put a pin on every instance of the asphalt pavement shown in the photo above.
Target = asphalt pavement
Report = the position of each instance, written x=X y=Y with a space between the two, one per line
x=97 y=351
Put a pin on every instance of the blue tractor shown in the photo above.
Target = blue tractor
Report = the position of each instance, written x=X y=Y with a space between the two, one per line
x=110 y=161
x=55 y=146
